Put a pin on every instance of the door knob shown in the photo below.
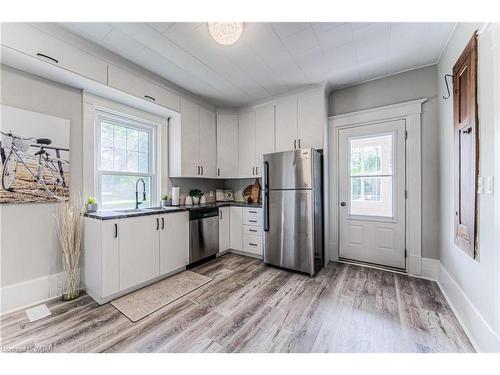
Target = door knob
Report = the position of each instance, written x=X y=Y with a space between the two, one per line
x=343 y=204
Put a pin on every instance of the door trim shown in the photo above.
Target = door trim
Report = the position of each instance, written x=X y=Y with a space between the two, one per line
x=411 y=112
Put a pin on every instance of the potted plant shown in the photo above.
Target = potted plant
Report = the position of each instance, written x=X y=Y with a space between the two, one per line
x=69 y=224
x=164 y=200
x=91 y=204
x=196 y=194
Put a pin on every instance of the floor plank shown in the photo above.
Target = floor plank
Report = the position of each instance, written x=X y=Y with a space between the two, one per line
x=252 y=307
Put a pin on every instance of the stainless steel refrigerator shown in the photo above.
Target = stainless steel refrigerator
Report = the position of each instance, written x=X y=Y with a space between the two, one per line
x=293 y=210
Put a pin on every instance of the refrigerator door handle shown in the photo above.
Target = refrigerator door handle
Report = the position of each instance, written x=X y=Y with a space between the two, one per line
x=266 y=196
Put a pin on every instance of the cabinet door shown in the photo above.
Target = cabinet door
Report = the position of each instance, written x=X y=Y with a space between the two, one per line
x=227 y=145
x=139 y=250
x=286 y=124
x=28 y=39
x=246 y=144
x=208 y=143
x=190 y=138
x=311 y=119
x=110 y=258
x=224 y=225
x=174 y=241
x=264 y=134
x=236 y=228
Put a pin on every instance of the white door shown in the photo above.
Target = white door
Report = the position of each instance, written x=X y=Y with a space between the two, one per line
x=372 y=193
x=286 y=124
x=208 y=143
x=110 y=258
x=174 y=241
x=246 y=144
x=236 y=228
x=223 y=228
x=190 y=129
x=264 y=135
x=139 y=250
x=227 y=145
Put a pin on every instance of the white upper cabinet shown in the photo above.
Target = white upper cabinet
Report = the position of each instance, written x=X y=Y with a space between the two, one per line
x=227 y=145
x=246 y=144
x=193 y=143
x=311 y=113
x=300 y=121
x=126 y=81
x=286 y=124
x=31 y=41
x=264 y=134
x=208 y=143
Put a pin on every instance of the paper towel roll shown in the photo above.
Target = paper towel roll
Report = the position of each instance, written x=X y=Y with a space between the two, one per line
x=175 y=196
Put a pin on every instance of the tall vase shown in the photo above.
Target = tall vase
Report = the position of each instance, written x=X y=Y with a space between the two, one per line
x=71 y=284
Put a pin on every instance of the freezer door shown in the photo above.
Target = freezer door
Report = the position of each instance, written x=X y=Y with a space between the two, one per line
x=289 y=230
x=288 y=169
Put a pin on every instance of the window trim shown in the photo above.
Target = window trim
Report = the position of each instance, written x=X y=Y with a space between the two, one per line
x=102 y=115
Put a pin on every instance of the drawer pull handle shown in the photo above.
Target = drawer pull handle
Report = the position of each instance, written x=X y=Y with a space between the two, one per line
x=47 y=57
x=252 y=221
x=252 y=230
x=252 y=244
x=150 y=97
x=252 y=212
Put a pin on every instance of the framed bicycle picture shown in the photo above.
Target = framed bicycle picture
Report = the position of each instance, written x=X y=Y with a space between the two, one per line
x=34 y=157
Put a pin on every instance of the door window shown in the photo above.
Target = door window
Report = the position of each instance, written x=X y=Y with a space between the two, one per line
x=371 y=175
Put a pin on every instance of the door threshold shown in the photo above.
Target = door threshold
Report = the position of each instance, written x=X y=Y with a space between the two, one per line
x=373 y=265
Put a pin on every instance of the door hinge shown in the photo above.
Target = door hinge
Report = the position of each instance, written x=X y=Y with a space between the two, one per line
x=406 y=194
x=406 y=134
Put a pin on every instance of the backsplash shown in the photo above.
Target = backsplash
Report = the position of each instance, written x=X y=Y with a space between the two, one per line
x=238 y=185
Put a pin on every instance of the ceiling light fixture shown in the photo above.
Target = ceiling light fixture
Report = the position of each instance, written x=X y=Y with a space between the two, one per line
x=225 y=33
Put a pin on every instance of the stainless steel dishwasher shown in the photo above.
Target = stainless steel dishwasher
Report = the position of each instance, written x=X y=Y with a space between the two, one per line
x=203 y=233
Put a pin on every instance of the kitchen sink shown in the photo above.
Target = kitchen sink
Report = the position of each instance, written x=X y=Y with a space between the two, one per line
x=131 y=210
x=146 y=209
x=161 y=208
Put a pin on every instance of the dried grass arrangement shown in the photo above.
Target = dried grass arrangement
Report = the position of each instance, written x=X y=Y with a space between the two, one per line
x=69 y=221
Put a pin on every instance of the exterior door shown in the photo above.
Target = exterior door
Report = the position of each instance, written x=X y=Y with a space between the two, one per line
x=372 y=193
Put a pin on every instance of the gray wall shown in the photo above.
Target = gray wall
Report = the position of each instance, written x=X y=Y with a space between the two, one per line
x=415 y=84
x=30 y=247
x=478 y=279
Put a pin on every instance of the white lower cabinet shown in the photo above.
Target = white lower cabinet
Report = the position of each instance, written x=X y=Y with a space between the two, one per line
x=139 y=255
x=235 y=227
x=224 y=231
x=246 y=230
x=122 y=254
x=174 y=241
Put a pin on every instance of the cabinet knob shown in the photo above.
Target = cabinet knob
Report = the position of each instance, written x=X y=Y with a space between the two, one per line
x=343 y=204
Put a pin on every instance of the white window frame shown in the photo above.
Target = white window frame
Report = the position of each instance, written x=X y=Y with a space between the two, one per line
x=139 y=124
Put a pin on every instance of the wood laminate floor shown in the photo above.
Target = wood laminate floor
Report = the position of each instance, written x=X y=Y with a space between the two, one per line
x=251 y=307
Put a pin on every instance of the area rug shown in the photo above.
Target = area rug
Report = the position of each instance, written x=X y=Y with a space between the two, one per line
x=145 y=301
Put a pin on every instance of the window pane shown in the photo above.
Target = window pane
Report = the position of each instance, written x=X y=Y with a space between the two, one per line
x=143 y=142
x=132 y=162
x=107 y=158
x=119 y=191
x=132 y=140
x=371 y=196
x=120 y=137
x=371 y=155
x=120 y=160
x=106 y=135
x=143 y=163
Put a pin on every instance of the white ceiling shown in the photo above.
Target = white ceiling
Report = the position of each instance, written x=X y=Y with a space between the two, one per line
x=270 y=58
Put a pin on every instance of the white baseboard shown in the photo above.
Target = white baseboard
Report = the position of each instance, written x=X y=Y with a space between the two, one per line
x=31 y=292
x=483 y=338
x=430 y=268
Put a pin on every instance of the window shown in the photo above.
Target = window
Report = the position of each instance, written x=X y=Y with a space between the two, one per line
x=125 y=154
x=371 y=175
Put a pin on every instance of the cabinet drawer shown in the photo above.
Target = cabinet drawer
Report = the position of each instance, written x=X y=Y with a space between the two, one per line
x=29 y=40
x=252 y=216
x=252 y=230
x=252 y=244
x=126 y=81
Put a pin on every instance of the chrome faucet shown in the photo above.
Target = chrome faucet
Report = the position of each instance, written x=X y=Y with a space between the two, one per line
x=137 y=203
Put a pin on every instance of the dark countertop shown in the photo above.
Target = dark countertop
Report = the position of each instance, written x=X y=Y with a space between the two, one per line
x=117 y=214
